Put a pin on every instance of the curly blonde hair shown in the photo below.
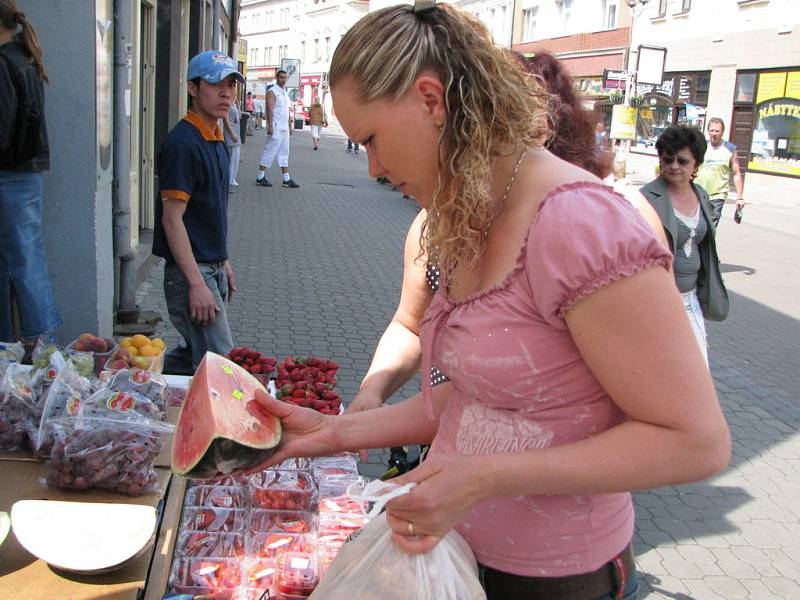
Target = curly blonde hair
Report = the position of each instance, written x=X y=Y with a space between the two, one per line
x=494 y=108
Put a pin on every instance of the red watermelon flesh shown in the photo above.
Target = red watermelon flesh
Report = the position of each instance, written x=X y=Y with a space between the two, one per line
x=215 y=434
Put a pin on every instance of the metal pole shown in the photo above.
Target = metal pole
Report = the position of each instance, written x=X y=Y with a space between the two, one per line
x=215 y=27
x=121 y=190
x=234 y=36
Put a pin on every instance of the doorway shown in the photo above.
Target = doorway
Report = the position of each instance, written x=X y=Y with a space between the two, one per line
x=147 y=72
x=742 y=134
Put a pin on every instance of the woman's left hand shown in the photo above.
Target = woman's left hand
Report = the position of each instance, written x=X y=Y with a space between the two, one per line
x=447 y=487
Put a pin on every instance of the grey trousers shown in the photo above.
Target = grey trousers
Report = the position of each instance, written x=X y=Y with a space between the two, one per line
x=198 y=339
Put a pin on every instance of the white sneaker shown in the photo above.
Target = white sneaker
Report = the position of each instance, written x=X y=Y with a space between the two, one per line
x=234 y=184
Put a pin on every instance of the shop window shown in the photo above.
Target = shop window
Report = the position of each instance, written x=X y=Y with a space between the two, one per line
x=745 y=87
x=662 y=8
x=776 y=133
x=655 y=115
x=686 y=5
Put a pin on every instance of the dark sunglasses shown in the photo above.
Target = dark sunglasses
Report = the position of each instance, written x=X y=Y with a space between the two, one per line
x=682 y=160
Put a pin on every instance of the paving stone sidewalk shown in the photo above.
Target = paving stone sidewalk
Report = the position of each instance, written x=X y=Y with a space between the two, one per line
x=319 y=271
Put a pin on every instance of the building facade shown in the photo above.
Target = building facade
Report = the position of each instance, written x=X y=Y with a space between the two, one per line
x=497 y=15
x=301 y=33
x=591 y=37
x=738 y=60
x=117 y=84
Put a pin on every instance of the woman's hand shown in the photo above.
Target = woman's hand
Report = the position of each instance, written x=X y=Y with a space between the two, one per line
x=447 y=487
x=306 y=432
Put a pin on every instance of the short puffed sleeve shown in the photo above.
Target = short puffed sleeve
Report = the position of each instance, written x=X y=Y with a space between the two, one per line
x=586 y=236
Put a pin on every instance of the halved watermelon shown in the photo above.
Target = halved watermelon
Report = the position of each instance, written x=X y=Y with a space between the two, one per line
x=216 y=434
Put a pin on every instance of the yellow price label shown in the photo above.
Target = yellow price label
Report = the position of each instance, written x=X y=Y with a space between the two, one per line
x=227 y=369
x=238 y=394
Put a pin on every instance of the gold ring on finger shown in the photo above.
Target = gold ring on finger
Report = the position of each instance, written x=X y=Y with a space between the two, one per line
x=411 y=530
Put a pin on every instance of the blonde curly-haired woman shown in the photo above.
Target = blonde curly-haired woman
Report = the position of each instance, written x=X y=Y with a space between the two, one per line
x=557 y=323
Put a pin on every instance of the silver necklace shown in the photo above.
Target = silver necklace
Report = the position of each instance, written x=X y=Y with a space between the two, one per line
x=505 y=194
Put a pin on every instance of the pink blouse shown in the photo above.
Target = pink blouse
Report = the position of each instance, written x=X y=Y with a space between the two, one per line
x=519 y=382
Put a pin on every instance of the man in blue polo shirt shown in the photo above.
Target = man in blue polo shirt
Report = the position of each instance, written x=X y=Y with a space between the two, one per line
x=191 y=225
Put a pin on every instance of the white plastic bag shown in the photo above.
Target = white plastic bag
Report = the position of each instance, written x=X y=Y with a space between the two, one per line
x=370 y=566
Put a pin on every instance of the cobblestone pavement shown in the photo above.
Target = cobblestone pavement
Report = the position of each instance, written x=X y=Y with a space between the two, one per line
x=319 y=271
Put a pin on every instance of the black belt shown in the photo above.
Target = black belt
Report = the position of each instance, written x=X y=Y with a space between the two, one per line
x=608 y=579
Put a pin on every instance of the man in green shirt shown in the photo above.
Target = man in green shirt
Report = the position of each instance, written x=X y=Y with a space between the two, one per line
x=715 y=172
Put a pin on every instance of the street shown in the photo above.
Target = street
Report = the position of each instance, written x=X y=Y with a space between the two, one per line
x=319 y=270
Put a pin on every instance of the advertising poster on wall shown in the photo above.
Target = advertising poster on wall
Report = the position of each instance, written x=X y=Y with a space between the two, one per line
x=776 y=133
x=623 y=122
x=292 y=68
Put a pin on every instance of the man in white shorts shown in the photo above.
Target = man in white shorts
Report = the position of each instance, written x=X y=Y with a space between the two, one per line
x=279 y=128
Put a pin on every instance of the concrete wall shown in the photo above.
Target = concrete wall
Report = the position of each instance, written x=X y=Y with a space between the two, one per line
x=723 y=36
x=77 y=200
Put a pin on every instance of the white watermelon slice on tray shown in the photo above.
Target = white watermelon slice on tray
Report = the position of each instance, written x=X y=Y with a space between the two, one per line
x=83 y=537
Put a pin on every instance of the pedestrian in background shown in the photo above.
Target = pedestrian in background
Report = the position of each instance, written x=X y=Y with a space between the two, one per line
x=279 y=130
x=191 y=221
x=24 y=154
x=687 y=217
x=718 y=165
x=316 y=114
x=549 y=282
x=231 y=132
x=250 y=109
x=259 y=106
x=352 y=146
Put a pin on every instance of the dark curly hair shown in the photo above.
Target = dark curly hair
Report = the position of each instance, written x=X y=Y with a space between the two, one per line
x=676 y=138
x=572 y=127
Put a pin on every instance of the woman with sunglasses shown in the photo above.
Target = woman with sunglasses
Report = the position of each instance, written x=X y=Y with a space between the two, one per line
x=685 y=212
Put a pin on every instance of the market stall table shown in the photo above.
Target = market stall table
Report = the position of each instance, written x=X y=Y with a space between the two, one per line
x=24 y=577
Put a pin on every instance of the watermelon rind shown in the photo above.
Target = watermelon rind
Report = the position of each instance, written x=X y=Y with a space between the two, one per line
x=5 y=525
x=215 y=434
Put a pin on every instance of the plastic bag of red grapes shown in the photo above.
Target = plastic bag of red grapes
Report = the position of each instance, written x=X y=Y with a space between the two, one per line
x=150 y=385
x=130 y=407
x=19 y=411
x=63 y=399
x=106 y=454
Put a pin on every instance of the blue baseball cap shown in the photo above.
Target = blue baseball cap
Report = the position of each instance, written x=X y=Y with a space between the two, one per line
x=213 y=66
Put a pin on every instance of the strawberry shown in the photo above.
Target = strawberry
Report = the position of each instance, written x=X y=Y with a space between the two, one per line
x=289 y=363
x=302 y=384
x=319 y=387
x=287 y=389
x=328 y=395
x=312 y=361
x=311 y=395
x=298 y=393
x=256 y=368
